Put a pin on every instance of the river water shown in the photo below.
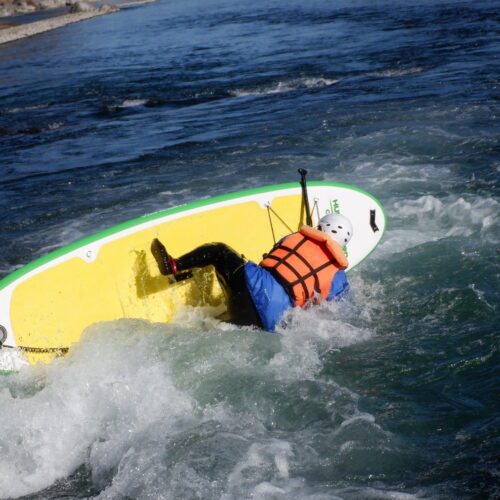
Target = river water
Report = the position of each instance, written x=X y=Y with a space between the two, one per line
x=394 y=395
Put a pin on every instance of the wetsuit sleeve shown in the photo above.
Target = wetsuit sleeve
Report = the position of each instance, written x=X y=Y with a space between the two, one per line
x=339 y=287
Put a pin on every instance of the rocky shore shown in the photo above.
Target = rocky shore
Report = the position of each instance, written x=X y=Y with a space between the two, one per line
x=10 y=8
x=72 y=11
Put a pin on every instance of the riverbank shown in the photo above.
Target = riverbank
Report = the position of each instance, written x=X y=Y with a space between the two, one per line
x=25 y=30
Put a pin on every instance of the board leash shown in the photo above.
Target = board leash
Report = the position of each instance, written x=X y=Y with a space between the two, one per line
x=56 y=350
x=3 y=338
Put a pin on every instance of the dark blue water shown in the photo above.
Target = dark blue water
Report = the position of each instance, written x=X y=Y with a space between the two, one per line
x=393 y=396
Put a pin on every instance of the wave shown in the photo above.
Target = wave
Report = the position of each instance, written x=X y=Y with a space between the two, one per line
x=21 y=109
x=136 y=396
x=54 y=125
x=429 y=218
x=133 y=103
x=32 y=129
x=287 y=86
x=127 y=104
x=388 y=73
x=458 y=215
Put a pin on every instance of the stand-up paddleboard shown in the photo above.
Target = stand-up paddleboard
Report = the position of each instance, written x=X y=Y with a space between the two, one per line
x=46 y=305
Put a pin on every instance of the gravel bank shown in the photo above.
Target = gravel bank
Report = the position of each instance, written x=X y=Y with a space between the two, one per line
x=30 y=29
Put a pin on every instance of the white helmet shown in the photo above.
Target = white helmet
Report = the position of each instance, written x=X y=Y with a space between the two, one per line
x=338 y=227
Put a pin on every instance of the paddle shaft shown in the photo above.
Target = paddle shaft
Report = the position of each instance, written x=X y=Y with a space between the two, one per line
x=303 y=174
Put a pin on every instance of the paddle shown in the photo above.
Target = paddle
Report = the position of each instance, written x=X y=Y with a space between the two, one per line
x=303 y=174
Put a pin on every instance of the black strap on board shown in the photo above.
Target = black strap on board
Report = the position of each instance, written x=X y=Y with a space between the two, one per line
x=373 y=224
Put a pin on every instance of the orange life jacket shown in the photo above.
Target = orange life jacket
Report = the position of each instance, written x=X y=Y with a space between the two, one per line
x=305 y=264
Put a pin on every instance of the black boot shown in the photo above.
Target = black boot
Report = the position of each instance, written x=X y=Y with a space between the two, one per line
x=166 y=263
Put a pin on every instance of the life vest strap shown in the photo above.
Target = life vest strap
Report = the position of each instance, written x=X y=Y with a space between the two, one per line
x=314 y=272
x=283 y=261
x=305 y=272
x=301 y=280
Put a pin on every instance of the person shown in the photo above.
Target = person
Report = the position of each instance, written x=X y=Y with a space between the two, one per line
x=303 y=268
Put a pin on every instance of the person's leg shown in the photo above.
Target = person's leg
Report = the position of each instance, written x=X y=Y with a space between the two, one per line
x=225 y=260
x=229 y=267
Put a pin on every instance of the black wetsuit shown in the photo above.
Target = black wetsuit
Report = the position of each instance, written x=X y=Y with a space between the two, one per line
x=230 y=269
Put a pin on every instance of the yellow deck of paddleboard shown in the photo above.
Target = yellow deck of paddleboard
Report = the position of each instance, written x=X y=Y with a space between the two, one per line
x=114 y=275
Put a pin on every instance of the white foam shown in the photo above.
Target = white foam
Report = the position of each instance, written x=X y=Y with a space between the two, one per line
x=286 y=86
x=55 y=125
x=26 y=108
x=276 y=451
x=376 y=494
x=397 y=72
x=133 y=103
x=428 y=218
x=94 y=400
x=307 y=334
x=328 y=322
x=11 y=360
x=393 y=174
x=133 y=402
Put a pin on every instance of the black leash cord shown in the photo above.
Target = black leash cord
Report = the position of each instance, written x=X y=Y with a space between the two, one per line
x=61 y=350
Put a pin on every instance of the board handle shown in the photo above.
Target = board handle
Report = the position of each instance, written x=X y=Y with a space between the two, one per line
x=373 y=224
